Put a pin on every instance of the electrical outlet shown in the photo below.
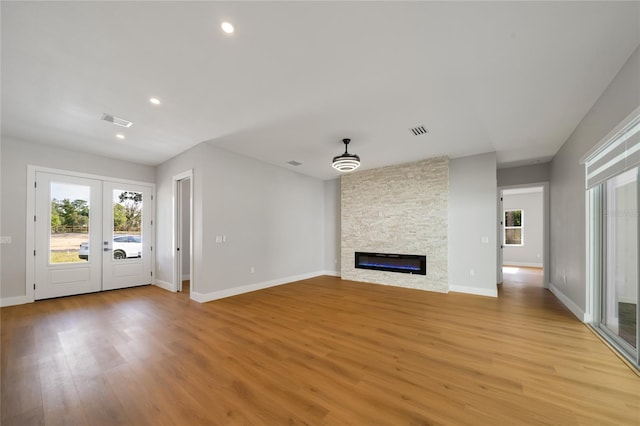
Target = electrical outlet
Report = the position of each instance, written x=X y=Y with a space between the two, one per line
x=253 y=269
x=472 y=272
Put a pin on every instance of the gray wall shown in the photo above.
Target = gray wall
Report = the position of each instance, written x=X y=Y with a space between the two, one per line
x=332 y=226
x=194 y=159
x=472 y=216
x=567 y=246
x=531 y=252
x=524 y=174
x=272 y=218
x=16 y=155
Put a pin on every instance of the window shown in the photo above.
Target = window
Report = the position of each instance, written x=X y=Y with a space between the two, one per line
x=513 y=228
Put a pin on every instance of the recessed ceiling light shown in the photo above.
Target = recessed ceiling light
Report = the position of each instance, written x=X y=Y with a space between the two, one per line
x=154 y=101
x=120 y=136
x=227 y=27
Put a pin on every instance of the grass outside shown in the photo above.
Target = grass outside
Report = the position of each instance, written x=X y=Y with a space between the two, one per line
x=68 y=256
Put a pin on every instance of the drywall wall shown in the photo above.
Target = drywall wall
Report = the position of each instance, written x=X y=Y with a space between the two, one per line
x=535 y=173
x=332 y=226
x=473 y=219
x=531 y=252
x=191 y=160
x=271 y=219
x=567 y=233
x=16 y=155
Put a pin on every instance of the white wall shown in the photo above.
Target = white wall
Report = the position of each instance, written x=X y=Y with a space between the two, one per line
x=16 y=155
x=332 y=226
x=272 y=218
x=473 y=216
x=620 y=98
x=531 y=252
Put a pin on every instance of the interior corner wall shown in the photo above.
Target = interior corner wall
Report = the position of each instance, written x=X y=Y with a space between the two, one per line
x=473 y=218
x=397 y=209
x=192 y=159
x=530 y=253
x=332 y=227
x=16 y=156
x=567 y=232
x=271 y=220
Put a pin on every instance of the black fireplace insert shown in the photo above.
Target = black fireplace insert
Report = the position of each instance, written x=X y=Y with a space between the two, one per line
x=405 y=263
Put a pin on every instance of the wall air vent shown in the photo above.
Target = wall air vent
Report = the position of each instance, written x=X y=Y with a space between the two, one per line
x=420 y=130
x=116 y=120
x=294 y=163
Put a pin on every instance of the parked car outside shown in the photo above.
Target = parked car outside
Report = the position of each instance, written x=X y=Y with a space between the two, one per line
x=124 y=246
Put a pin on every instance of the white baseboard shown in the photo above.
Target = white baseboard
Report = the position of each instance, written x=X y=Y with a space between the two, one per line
x=523 y=264
x=228 y=292
x=16 y=300
x=490 y=292
x=575 y=309
x=331 y=273
x=165 y=285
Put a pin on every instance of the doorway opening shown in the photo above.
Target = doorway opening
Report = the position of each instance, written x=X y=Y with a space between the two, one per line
x=523 y=228
x=183 y=235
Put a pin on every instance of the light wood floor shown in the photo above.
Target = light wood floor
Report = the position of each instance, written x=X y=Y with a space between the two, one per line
x=320 y=351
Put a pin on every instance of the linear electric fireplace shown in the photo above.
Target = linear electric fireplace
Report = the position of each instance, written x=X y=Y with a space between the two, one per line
x=405 y=263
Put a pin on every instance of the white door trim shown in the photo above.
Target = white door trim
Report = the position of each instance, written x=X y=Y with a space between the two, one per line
x=31 y=212
x=546 y=217
x=177 y=227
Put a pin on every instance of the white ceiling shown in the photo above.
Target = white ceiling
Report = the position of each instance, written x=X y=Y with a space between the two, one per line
x=296 y=78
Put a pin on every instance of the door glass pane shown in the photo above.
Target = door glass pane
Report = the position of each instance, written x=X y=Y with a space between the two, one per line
x=69 y=237
x=127 y=224
x=620 y=289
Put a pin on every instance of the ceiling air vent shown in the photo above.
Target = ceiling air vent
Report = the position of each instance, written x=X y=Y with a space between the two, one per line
x=116 y=120
x=420 y=130
x=294 y=163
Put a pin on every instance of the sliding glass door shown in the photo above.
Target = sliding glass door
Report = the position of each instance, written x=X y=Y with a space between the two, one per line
x=613 y=193
x=619 y=288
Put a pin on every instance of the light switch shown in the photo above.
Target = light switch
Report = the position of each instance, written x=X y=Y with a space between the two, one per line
x=5 y=240
x=218 y=238
x=484 y=240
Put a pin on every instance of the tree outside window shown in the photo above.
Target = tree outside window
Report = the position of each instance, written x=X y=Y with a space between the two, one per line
x=513 y=228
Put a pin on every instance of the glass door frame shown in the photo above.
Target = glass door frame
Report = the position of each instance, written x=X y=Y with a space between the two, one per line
x=596 y=201
x=31 y=209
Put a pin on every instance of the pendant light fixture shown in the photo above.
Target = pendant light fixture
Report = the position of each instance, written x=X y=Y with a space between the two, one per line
x=346 y=162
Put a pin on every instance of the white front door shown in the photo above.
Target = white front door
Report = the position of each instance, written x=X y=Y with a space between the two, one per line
x=126 y=235
x=68 y=214
x=90 y=235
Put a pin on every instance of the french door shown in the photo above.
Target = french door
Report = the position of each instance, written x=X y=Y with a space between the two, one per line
x=90 y=235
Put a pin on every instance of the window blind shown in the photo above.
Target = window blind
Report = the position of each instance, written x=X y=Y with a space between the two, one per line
x=621 y=153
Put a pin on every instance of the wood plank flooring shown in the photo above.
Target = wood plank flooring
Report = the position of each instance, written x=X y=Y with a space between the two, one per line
x=319 y=352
